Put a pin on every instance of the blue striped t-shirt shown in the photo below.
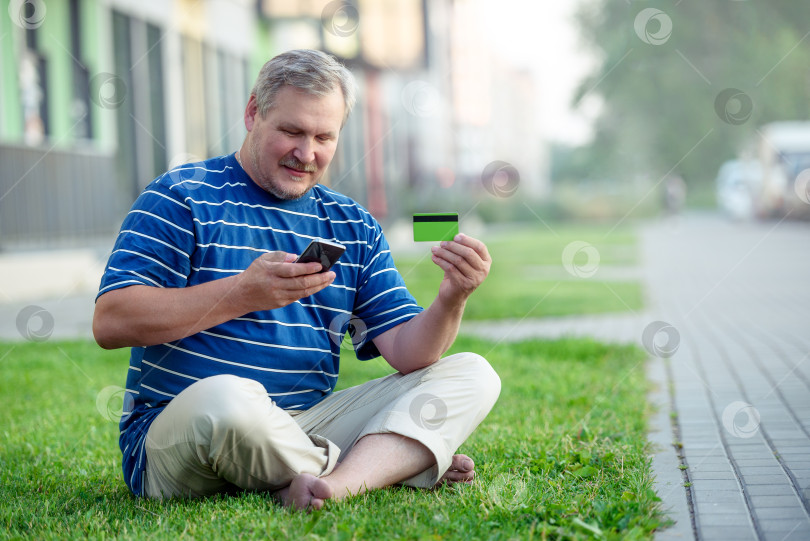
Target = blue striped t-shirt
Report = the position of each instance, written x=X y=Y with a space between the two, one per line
x=208 y=220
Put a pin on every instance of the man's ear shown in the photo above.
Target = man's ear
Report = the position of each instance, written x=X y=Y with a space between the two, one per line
x=251 y=111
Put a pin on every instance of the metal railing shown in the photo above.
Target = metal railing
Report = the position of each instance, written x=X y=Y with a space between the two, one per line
x=51 y=197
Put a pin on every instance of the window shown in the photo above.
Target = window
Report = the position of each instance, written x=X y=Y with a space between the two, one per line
x=34 y=89
x=80 y=110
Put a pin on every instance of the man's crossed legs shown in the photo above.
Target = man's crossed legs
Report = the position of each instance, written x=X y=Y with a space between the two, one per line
x=224 y=432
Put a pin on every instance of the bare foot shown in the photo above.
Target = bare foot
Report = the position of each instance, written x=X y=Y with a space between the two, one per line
x=462 y=470
x=304 y=492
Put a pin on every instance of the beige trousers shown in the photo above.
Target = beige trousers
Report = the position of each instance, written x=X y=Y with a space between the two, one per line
x=224 y=433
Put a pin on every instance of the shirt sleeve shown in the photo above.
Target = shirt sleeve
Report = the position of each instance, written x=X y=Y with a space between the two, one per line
x=154 y=245
x=382 y=301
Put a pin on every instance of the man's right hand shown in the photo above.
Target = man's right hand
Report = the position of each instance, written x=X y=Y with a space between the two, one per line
x=143 y=315
x=273 y=280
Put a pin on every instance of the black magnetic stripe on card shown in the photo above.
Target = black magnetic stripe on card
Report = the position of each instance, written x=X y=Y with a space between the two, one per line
x=437 y=218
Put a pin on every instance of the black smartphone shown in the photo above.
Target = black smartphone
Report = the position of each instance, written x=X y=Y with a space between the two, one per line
x=322 y=251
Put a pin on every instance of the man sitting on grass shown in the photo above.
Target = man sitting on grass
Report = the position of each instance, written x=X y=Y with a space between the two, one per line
x=235 y=347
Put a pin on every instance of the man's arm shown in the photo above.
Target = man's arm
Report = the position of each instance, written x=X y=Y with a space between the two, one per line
x=423 y=339
x=143 y=315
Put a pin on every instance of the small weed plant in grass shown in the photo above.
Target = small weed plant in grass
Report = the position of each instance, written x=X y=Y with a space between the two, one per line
x=563 y=455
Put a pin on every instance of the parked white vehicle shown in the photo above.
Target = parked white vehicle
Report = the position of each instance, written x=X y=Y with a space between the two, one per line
x=784 y=152
x=737 y=183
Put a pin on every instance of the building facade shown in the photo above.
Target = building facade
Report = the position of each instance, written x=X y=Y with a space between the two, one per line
x=98 y=97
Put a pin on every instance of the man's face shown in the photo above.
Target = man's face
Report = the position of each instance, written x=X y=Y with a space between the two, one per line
x=289 y=149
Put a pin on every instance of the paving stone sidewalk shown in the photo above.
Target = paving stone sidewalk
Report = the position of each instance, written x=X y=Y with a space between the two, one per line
x=737 y=294
x=728 y=326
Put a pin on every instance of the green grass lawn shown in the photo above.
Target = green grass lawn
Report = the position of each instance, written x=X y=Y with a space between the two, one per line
x=562 y=455
x=528 y=277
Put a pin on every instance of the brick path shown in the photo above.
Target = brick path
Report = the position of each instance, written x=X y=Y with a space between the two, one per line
x=738 y=295
x=731 y=304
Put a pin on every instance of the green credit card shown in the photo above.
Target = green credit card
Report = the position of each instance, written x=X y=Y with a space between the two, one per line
x=435 y=226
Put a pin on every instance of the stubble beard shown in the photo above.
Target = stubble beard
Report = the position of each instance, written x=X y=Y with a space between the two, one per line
x=271 y=185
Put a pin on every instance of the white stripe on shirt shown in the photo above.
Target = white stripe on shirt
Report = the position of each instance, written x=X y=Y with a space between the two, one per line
x=378 y=295
x=388 y=322
x=249 y=366
x=115 y=284
x=139 y=275
x=183 y=276
x=164 y=243
x=163 y=369
x=156 y=391
x=174 y=225
x=175 y=201
x=264 y=344
x=285 y=324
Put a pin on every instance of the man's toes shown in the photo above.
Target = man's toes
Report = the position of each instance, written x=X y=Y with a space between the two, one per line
x=321 y=489
x=462 y=463
x=307 y=491
x=462 y=470
x=458 y=476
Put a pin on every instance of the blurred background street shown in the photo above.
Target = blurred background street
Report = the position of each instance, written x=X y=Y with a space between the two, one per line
x=591 y=110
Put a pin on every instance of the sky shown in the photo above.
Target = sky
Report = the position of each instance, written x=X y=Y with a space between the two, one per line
x=542 y=37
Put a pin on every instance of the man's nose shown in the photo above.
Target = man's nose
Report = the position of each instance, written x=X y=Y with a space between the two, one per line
x=305 y=150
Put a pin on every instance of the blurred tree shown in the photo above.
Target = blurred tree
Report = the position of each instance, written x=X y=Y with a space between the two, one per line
x=664 y=74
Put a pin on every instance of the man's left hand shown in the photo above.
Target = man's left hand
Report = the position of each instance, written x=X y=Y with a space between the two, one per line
x=466 y=263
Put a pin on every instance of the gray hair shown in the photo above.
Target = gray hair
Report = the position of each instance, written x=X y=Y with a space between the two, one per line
x=312 y=71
